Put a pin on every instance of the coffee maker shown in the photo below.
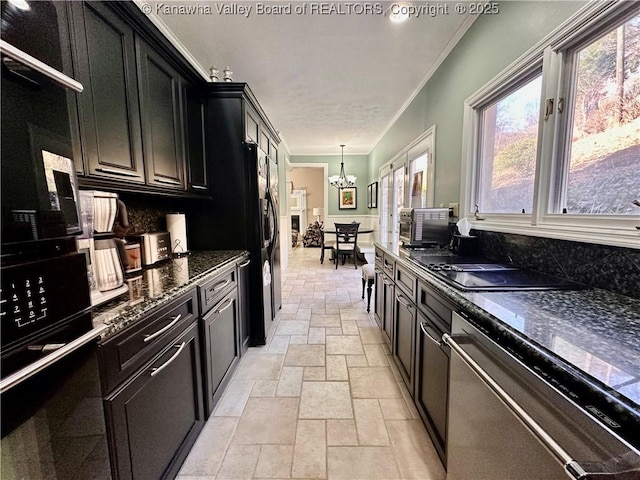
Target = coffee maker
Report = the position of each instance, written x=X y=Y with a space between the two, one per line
x=106 y=254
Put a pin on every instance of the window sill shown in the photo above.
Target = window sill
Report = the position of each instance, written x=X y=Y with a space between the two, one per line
x=625 y=235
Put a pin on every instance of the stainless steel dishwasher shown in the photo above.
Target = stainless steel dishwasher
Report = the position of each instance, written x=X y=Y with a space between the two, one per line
x=506 y=422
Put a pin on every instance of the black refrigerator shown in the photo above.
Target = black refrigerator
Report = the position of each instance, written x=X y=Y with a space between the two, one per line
x=276 y=295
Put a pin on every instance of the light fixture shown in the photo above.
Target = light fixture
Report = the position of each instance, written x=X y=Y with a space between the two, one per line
x=399 y=12
x=342 y=181
x=20 y=4
x=318 y=213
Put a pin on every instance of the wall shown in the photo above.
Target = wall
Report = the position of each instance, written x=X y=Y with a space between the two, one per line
x=357 y=165
x=491 y=44
x=311 y=179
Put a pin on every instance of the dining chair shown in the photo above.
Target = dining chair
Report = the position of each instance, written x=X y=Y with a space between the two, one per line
x=324 y=245
x=346 y=242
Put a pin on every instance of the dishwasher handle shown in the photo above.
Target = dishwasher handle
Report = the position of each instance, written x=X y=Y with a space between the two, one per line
x=423 y=327
x=572 y=467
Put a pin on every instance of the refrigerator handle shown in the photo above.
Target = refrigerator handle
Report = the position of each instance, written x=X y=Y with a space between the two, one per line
x=274 y=236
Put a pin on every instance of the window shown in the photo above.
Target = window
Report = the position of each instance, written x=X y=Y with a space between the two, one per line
x=509 y=140
x=556 y=136
x=603 y=151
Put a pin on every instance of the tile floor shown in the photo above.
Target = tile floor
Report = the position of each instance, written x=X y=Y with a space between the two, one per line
x=322 y=400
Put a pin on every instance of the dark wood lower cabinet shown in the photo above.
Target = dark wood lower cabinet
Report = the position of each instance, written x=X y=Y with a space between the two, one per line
x=221 y=346
x=155 y=418
x=244 y=304
x=403 y=336
x=387 y=308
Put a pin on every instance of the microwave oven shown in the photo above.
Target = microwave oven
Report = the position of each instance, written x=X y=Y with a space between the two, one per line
x=424 y=226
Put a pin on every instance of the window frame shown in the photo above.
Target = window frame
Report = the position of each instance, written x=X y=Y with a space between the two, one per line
x=553 y=55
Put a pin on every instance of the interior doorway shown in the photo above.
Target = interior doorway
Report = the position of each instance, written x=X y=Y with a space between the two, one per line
x=312 y=178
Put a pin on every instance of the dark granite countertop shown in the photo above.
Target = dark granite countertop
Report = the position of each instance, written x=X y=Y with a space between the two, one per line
x=592 y=335
x=152 y=287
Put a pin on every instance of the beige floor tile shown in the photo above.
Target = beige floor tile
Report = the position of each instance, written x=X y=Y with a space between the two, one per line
x=333 y=330
x=324 y=320
x=345 y=345
x=408 y=401
x=385 y=348
x=290 y=382
x=325 y=400
x=288 y=316
x=314 y=374
x=369 y=422
x=274 y=461
x=353 y=314
x=394 y=368
x=234 y=398
x=361 y=463
x=259 y=367
x=279 y=344
x=309 y=454
x=367 y=322
x=316 y=336
x=298 y=340
x=371 y=335
x=293 y=327
x=239 y=462
x=416 y=457
x=303 y=313
x=333 y=308
x=337 y=368
x=264 y=388
x=357 y=361
x=288 y=308
x=373 y=382
x=341 y=432
x=375 y=355
x=268 y=421
x=350 y=327
x=395 y=409
x=207 y=453
x=305 y=356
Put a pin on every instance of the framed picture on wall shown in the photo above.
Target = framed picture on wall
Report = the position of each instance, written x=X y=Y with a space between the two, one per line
x=347 y=198
x=372 y=195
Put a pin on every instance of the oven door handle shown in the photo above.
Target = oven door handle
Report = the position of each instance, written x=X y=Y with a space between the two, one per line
x=572 y=467
x=39 y=365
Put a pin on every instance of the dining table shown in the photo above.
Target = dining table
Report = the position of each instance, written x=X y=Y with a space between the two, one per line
x=360 y=256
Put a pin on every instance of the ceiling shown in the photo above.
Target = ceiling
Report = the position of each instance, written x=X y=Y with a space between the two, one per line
x=322 y=79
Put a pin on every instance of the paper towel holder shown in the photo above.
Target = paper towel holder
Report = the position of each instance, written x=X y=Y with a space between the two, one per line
x=177 y=228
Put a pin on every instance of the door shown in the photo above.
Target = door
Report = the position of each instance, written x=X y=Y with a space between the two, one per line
x=109 y=107
x=431 y=390
x=194 y=139
x=157 y=416
x=161 y=118
x=403 y=345
x=244 y=305
x=221 y=350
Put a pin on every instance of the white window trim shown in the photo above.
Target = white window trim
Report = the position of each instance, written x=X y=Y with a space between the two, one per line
x=618 y=230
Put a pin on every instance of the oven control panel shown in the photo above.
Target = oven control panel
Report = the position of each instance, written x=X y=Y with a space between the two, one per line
x=37 y=295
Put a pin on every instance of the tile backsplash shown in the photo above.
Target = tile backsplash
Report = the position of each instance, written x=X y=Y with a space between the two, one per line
x=610 y=268
x=147 y=214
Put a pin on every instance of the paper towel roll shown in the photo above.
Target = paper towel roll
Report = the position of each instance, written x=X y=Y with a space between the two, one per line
x=177 y=228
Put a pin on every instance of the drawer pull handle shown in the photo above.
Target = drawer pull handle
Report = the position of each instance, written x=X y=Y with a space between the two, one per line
x=168 y=181
x=151 y=336
x=220 y=285
x=199 y=187
x=408 y=305
x=229 y=303
x=113 y=171
x=242 y=265
x=423 y=327
x=155 y=371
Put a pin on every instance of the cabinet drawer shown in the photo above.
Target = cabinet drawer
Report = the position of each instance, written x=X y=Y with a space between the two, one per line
x=213 y=290
x=122 y=355
x=388 y=265
x=378 y=260
x=430 y=302
x=406 y=281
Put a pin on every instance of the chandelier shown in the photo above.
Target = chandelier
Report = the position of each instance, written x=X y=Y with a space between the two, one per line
x=343 y=180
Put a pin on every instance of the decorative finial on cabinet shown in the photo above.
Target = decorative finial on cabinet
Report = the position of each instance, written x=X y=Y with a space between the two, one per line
x=214 y=72
x=227 y=75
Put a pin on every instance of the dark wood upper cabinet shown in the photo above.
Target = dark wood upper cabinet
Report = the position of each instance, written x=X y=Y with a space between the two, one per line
x=161 y=117
x=108 y=107
x=194 y=139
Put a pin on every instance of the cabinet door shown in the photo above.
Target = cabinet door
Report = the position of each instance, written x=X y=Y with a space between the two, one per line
x=194 y=139
x=379 y=297
x=161 y=118
x=403 y=344
x=109 y=112
x=252 y=125
x=431 y=390
x=154 y=420
x=221 y=350
x=387 y=308
x=244 y=305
